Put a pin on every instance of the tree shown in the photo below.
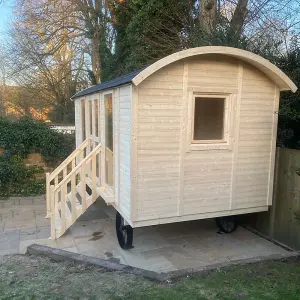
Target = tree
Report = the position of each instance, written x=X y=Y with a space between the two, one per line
x=3 y=76
x=45 y=59
x=208 y=15
x=238 y=19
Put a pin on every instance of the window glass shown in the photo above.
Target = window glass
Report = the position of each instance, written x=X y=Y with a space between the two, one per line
x=96 y=116
x=108 y=139
x=108 y=121
x=83 y=119
x=209 y=119
x=91 y=117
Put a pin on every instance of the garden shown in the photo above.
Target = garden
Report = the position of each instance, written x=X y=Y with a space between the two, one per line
x=24 y=277
x=28 y=148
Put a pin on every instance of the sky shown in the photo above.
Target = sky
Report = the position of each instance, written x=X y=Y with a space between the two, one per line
x=6 y=16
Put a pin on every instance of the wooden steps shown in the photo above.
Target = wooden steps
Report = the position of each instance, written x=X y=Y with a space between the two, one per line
x=70 y=195
x=105 y=194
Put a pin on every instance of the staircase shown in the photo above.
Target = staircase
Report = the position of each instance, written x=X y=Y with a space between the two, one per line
x=73 y=186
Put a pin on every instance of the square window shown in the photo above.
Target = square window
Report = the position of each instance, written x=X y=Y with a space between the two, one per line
x=209 y=118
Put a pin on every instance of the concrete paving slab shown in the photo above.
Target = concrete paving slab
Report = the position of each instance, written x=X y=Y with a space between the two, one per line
x=41 y=221
x=65 y=241
x=28 y=234
x=151 y=261
x=12 y=224
x=24 y=244
x=162 y=248
x=43 y=232
x=85 y=228
x=47 y=242
x=21 y=216
x=9 y=241
x=26 y=201
x=72 y=249
x=1 y=226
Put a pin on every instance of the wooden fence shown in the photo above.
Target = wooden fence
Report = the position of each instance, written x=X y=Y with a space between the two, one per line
x=280 y=222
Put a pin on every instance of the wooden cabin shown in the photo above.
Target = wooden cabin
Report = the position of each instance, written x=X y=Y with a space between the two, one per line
x=191 y=136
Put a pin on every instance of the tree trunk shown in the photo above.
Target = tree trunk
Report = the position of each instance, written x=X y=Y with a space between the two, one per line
x=207 y=16
x=238 y=18
x=96 y=63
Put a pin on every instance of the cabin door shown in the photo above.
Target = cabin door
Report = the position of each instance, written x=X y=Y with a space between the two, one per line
x=109 y=149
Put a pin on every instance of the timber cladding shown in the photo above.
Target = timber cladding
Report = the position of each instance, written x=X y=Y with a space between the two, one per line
x=185 y=181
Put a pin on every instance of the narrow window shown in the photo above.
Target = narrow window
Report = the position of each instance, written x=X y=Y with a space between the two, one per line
x=108 y=122
x=83 y=119
x=209 y=120
x=96 y=106
x=108 y=139
x=91 y=116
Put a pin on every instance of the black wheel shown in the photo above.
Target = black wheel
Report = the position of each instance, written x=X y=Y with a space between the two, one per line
x=124 y=233
x=227 y=224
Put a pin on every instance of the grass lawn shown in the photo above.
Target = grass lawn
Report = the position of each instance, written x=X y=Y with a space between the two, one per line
x=23 y=277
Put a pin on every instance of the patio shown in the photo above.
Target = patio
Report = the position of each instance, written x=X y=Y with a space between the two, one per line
x=158 y=248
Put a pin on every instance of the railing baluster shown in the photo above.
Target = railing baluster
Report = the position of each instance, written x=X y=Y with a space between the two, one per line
x=83 y=186
x=63 y=194
x=94 y=192
x=52 y=205
x=48 y=203
x=57 y=193
x=81 y=155
x=65 y=169
x=73 y=197
x=73 y=164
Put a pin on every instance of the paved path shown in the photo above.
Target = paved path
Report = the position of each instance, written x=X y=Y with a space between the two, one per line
x=159 y=248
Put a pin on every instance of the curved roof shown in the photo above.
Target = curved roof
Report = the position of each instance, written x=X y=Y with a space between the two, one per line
x=275 y=74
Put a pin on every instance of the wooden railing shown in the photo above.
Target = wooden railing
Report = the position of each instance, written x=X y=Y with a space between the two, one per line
x=64 y=169
x=75 y=192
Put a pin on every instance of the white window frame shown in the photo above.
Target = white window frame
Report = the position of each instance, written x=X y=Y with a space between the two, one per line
x=108 y=187
x=226 y=142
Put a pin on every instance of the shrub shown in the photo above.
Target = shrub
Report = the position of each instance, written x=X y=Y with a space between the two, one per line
x=20 y=138
x=27 y=136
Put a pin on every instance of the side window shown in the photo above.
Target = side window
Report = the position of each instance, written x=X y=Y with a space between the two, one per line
x=109 y=167
x=108 y=121
x=96 y=116
x=83 y=119
x=210 y=121
x=90 y=117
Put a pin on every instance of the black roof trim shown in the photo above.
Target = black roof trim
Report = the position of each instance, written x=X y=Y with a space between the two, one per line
x=108 y=84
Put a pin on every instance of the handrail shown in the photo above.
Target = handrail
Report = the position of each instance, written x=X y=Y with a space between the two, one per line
x=78 y=167
x=68 y=160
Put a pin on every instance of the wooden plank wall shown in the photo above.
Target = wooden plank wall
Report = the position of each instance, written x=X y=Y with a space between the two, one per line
x=125 y=129
x=175 y=179
x=255 y=136
x=207 y=178
x=280 y=223
x=158 y=143
x=116 y=129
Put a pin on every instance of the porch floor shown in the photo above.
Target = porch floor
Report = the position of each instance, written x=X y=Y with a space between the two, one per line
x=159 y=248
